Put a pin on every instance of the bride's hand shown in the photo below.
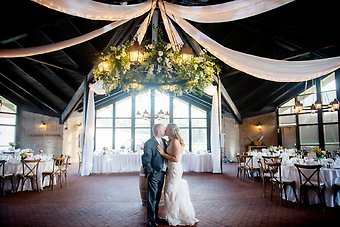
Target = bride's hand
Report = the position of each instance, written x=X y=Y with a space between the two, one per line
x=160 y=150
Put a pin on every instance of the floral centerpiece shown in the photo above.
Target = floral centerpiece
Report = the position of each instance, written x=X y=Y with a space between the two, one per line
x=319 y=153
x=25 y=154
x=160 y=67
x=11 y=146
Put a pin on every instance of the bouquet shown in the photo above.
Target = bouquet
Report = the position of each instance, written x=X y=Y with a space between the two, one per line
x=319 y=153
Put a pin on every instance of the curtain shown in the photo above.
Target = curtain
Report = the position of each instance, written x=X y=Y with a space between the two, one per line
x=264 y=68
x=88 y=147
x=97 y=11
x=30 y=51
x=215 y=133
x=224 y=12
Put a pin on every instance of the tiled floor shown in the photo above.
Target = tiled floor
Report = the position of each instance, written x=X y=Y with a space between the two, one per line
x=114 y=200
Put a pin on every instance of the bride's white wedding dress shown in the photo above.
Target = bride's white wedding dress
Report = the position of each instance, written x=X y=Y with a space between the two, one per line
x=178 y=209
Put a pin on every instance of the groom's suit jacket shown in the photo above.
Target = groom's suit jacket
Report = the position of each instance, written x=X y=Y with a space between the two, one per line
x=152 y=160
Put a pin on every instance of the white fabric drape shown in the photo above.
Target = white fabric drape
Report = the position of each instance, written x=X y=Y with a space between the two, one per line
x=88 y=147
x=224 y=12
x=144 y=26
x=173 y=35
x=30 y=51
x=215 y=133
x=264 y=68
x=95 y=10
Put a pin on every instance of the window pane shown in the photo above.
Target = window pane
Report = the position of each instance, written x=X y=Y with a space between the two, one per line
x=199 y=140
x=7 y=106
x=123 y=122
x=142 y=135
x=182 y=122
x=123 y=108
x=8 y=119
x=162 y=121
x=330 y=116
x=328 y=97
x=123 y=138
x=185 y=135
x=308 y=118
x=143 y=102
x=286 y=110
x=142 y=123
x=287 y=120
x=328 y=83
x=331 y=134
x=105 y=123
x=197 y=112
x=6 y=136
x=309 y=135
x=199 y=123
x=105 y=112
x=161 y=102
x=181 y=108
x=103 y=138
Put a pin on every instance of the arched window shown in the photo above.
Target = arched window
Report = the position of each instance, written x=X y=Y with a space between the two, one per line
x=127 y=123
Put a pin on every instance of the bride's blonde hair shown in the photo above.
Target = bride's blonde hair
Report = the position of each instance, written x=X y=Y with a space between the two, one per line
x=175 y=132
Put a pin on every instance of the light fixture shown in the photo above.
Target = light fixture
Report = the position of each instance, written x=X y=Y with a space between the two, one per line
x=298 y=107
x=334 y=105
x=135 y=52
x=186 y=52
x=318 y=105
x=313 y=108
x=159 y=115
x=259 y=126
x=43 y=125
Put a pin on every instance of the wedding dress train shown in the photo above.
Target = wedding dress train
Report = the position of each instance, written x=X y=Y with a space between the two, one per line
x=178 y=209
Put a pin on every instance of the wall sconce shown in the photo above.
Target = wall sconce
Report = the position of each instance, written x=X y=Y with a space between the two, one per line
x=43 y=125
x=259 y=126
x=78 y=125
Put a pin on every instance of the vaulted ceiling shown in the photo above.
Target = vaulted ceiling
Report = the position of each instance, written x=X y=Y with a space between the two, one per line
x=53 y=83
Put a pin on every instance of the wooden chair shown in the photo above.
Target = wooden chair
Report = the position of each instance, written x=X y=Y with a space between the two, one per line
x=244 y=165
x=64 y=169
x=56 y=172
x=265 y=176
x=274 y=169
x=29 y=172
x=336 y=188
x=309 y=176
x=4 y=176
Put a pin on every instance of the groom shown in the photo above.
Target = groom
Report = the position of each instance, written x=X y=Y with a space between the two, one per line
x=154 y=166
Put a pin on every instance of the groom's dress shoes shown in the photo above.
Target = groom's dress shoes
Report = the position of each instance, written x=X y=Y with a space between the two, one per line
x=150 y=224
x=162 y=221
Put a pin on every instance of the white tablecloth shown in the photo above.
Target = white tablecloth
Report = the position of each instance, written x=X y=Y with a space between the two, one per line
x=110 y=163
x=327 y=175
x=16 y=168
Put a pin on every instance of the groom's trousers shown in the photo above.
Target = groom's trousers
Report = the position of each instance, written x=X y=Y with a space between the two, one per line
x=154 y=191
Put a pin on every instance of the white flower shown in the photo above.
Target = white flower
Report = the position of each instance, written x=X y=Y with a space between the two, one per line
x=160 y=53
x=159 y=59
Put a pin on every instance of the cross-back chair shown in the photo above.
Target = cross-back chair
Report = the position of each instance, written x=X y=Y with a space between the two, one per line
x=309 y=176
x=64 y=169
x=55 y=173
x=29 y=172
x=245 y=165
x=4 y=176
x=276 y=179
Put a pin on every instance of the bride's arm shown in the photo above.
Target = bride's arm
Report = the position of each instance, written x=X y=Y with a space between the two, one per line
x=176 y=150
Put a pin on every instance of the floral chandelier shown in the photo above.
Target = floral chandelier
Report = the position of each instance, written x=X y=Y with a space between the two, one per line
x=156 y=66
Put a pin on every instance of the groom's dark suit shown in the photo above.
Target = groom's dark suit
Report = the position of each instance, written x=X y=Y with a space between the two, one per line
x=154 y=166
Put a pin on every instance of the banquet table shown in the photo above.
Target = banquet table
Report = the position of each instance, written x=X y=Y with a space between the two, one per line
x=327 y=175
x=131 y=162
x=15 y=167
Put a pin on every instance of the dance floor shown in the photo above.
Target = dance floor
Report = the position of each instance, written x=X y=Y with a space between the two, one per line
x=114 y=200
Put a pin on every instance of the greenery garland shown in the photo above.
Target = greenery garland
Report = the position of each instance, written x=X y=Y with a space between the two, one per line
x=161 y=67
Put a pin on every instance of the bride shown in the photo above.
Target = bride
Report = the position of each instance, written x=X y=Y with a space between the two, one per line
x=178 y=209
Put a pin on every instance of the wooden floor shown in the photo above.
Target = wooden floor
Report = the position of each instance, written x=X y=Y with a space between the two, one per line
x=114 y=200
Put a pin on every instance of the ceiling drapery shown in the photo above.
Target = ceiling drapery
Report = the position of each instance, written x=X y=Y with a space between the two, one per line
x=264 y=68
